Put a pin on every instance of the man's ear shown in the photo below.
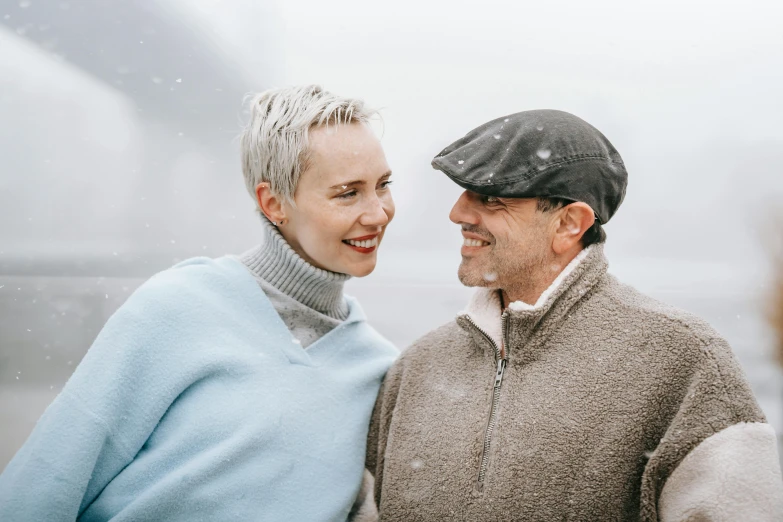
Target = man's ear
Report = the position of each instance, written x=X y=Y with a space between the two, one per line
x=270 y=203
x=573 y=222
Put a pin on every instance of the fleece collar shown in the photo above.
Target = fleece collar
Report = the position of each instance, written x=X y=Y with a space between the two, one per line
x=484 y=309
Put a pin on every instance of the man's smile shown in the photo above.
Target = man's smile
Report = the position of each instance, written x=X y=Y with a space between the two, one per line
x=472 y=242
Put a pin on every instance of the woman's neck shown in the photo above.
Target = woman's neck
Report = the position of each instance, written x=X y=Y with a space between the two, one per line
x=278 y=264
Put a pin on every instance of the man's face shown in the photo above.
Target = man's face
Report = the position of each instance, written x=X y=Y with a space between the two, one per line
x=508 y=243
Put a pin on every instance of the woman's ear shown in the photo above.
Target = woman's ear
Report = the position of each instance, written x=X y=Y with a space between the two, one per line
x=270 y=203
x=574 y=221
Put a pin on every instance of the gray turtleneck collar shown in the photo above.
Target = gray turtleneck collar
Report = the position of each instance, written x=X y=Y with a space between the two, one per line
x=276 y=263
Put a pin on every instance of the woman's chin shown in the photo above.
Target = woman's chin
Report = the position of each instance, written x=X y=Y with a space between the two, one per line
x=360 y=269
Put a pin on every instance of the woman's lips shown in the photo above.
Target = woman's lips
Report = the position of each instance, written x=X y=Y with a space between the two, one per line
x=362 y=250
x=364 y=244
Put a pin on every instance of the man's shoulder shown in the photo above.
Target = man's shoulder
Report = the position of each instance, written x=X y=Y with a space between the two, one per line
x=658 y=318
x=436 y=345
x=433 y=342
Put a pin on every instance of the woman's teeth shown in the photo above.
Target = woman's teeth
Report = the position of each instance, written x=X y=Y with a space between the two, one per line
x=474 y=242
x=368 y=243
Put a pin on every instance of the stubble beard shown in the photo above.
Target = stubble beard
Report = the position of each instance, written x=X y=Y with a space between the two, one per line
x=514 y=273
x=470 y=276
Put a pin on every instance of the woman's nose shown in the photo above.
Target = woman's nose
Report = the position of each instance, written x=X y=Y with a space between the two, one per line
x=376 y=214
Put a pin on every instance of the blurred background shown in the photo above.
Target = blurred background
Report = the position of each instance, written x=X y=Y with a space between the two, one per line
x=119 y=151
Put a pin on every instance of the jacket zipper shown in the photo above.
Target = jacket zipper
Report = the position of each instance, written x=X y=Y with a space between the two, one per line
x=501 y=356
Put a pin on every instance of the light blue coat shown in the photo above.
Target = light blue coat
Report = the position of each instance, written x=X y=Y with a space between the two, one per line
x=195 y=403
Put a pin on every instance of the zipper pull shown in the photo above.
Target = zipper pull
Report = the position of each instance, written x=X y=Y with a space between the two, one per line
x=499 y=373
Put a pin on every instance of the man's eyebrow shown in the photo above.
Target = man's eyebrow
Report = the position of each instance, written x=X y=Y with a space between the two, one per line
x=358 y=182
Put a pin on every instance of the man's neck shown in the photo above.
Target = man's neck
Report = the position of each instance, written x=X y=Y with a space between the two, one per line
x=531 y=289
x=528 y=295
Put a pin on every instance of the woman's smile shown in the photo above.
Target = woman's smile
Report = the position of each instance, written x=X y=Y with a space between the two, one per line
x=364 y=244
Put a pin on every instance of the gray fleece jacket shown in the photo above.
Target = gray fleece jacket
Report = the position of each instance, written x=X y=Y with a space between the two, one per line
x=608 y=406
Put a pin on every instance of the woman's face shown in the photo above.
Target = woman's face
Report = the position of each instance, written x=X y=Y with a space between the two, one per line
x=343 y=201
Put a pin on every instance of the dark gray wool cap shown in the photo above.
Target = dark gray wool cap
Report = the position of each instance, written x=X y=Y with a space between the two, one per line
x=542 y=153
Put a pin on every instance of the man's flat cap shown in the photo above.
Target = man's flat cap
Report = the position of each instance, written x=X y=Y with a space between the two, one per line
x=542 y=153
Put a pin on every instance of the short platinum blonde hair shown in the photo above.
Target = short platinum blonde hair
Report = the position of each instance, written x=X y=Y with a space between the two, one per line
x=274 y=143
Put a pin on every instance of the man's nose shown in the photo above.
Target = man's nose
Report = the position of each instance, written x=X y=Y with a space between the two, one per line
x=462 y=211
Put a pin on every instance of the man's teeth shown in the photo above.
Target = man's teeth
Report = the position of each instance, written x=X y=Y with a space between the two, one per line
x=368 y=243
x=474 y=242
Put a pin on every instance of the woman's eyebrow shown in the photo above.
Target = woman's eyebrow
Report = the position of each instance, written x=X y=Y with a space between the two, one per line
x=347 y=184
x=357 y=182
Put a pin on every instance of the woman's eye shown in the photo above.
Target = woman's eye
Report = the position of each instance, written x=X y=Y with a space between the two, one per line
x=347 y=195
x=386 y=184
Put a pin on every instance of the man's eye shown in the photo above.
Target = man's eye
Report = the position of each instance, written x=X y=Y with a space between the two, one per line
x=491 y=199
